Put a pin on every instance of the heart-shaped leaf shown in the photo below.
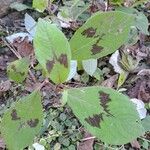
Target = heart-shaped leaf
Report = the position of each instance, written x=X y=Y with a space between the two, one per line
x=52 y=50
x=22 y=122
x=106 y=113
x=101 y=35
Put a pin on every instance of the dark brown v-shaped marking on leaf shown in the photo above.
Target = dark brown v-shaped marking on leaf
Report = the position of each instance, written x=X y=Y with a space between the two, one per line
x=14 y=115
x=33 y=122
x=96 y=49
x=104 y=100
x=63 y=60
x=89 y=33
x=95 y=120
x=50 y=65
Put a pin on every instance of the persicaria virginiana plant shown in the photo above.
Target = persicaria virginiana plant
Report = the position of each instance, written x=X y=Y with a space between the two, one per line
x=104 y=112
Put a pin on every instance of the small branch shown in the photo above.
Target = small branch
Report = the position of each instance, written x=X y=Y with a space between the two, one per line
x=88 y=138
x=43 y=83
x=14 y=51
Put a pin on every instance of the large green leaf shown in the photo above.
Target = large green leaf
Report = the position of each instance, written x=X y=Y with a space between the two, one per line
x=101 y=35
x=52 y=50
x=22 y=122
x=106 y=113
x=18 y=70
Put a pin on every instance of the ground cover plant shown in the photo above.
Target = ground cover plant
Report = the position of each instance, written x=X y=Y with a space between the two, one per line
x=78 y=78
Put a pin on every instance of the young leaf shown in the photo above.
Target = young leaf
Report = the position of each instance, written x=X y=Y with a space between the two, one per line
x=106 y=113
x=18 y=70
x=52 y=51
x=90 y=66
x=73 y=69
x=22 y=122
x=101 y=35
x=40 y=5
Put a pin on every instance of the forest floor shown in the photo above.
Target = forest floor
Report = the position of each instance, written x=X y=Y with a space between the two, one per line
x=62 y=129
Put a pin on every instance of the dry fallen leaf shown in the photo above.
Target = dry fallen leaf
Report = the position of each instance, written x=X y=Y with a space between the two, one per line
x=140 y=107
x=5 y=86
x=86 y=143
x=24 y=47
x=2 y=144
x=110 y=82
x=141 y=89
x=135 y=144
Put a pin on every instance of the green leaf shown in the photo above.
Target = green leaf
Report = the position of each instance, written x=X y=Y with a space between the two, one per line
x=119 y=2
x=77 y=9
x=40 y=5
x=52 y=50
x=18 y=70
x=122 y=78
x=106 y=113
x=22 y=122
x=146 y=123
x=90 y=66
x=102 y=34
x=141 y=21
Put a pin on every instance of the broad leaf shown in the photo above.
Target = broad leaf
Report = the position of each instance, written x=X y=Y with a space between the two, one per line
x=40 y=5
x=106 y=113
x=101 y=35
x=18 y=70
x=22 y=122
x=52 y=50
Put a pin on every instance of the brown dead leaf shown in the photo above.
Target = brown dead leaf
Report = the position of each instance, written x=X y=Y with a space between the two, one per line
x=5 y=86
x=110 y=82
x=31 y=86
x=2 y=63
x=86 y=143
x=141 y=89
x=24 y=47
x=135 y=144
x=2 y=144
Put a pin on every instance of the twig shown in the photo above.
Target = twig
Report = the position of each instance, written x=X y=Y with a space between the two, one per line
x=11 y=48
x=88 y=138
x=42 y=84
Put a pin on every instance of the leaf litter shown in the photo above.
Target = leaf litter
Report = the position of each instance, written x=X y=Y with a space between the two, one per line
x=139 y=89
